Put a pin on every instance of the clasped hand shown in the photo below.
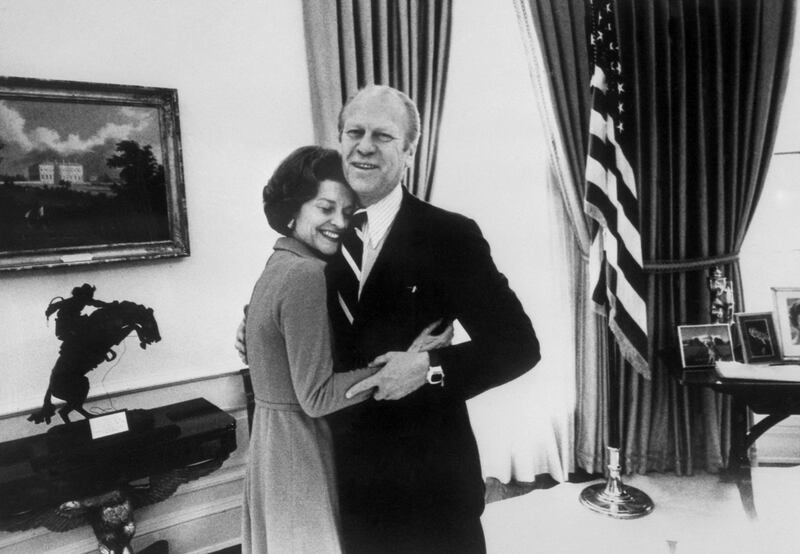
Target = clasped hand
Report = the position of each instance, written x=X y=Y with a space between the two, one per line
x=402 y=373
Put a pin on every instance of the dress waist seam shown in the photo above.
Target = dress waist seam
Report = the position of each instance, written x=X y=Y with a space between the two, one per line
x=279 y=406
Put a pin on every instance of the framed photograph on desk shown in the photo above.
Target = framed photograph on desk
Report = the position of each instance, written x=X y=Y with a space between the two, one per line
x=704 y=345
x=787 y=311
x=757 y=336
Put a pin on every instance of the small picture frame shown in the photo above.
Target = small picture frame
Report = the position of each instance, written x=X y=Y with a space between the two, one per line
x=704 y=345
x=787 y=314
x=758 y=337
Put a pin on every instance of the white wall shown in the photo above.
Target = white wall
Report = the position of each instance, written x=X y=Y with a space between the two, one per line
x=240 y=71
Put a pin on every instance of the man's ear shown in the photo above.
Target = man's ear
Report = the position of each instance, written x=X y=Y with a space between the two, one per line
x=412 y=149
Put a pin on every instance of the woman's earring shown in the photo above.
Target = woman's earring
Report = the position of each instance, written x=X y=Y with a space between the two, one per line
x=290 y=225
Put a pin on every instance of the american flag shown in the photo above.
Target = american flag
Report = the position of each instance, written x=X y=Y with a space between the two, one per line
x=611 y=197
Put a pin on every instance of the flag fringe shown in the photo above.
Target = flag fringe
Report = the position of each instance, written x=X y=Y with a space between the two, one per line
x=628 y=351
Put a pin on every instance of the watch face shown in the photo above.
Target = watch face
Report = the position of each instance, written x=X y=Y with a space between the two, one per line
x=435 y=376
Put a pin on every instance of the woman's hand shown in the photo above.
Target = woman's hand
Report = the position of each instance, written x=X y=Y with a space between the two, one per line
x=401 y=373
x=240 y=343
x=426 y=340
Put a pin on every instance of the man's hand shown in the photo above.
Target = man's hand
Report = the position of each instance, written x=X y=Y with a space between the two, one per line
x=240 y=344
x=402 y=374
x=428 y=341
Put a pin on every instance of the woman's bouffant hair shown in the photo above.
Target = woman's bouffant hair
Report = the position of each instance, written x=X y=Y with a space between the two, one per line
x=296 y=181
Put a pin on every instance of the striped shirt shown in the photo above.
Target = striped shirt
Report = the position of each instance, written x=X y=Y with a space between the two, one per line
x=380 y=217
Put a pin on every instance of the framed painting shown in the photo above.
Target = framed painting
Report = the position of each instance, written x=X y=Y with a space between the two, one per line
x=89 y=173
x=787 y=314
x=704 y=345
x=757 y=336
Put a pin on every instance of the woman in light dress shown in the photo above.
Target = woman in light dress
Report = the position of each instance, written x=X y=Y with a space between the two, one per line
x=290 y=498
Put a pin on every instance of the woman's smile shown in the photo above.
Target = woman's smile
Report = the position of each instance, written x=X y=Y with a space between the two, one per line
x=331 y=234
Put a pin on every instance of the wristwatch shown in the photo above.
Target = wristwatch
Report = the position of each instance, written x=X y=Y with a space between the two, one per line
x=435 y=376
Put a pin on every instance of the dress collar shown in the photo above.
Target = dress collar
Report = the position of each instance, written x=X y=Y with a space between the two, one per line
x=291 y=244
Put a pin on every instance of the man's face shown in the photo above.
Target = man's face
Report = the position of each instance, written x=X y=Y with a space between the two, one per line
x=373 y=145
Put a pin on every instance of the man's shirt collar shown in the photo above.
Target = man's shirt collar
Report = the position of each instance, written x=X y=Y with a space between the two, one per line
x=381 y=214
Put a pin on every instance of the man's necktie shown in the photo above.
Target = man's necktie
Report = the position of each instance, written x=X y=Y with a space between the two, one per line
x=353 y=252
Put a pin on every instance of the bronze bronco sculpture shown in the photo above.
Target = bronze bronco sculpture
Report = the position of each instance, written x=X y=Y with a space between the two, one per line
x=87 y=341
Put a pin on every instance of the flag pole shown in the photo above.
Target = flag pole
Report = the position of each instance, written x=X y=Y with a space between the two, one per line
x=611 y=198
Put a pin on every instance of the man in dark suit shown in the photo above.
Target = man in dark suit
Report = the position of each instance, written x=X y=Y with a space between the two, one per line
x=409 y=472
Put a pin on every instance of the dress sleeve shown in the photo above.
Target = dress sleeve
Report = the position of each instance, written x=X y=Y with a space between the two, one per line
x=304 y=321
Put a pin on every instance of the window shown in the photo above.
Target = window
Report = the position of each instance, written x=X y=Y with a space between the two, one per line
x=770 y=255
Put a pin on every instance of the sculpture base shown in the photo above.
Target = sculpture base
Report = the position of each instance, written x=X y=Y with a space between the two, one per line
x=616 y=500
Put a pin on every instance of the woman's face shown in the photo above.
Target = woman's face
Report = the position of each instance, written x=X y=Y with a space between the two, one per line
x=322 y=220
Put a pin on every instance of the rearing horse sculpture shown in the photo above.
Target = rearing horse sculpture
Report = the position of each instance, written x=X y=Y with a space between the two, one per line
x=87 y=346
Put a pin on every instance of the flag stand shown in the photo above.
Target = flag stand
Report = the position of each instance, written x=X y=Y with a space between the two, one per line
x=614 y=499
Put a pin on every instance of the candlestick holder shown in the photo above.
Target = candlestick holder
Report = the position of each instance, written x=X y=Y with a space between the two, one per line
x=614 y=499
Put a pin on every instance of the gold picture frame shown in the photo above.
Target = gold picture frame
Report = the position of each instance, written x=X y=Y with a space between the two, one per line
x=89 y=173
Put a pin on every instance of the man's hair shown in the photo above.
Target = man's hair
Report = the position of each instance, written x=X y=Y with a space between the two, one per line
x=412 y=113
x=296 y=181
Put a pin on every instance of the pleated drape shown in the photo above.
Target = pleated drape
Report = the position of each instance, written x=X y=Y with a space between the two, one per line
x=560 y=26
x=402 y=43
x=706 y=82
x=707 y=79
x=556 y=39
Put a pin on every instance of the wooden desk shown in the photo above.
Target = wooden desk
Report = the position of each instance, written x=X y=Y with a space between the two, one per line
x=775 y=399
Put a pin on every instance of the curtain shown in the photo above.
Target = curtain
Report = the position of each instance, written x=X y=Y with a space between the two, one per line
x=707 y=79
x=525 y=428
x=404 y=44
x=560 y=53
x=493 y=167
x=555 y=36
